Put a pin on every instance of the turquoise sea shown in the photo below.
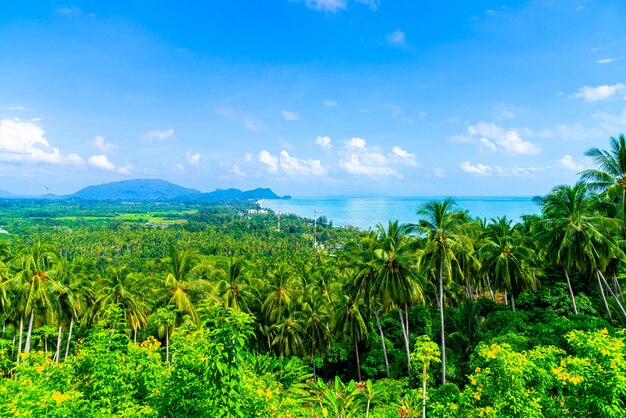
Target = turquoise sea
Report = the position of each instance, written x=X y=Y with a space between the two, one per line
x=366 y=212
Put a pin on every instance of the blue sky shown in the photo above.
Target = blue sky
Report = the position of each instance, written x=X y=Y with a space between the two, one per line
x=309 y=97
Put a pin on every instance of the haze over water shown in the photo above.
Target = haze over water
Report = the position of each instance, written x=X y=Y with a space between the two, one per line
x=366 y=212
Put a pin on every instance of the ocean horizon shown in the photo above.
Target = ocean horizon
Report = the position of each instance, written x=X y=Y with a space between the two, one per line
x=366 y=212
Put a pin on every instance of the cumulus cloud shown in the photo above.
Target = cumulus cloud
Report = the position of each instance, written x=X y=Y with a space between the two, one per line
x=296 y=167
x=126 y=169
x=193 y=159
x=269 y=161
x=247 y=157
x=396 y=38
x=236 y=170
x=357 y=158
x=491 y=137
x=289 y=116
x=24 y=142
x=355 y=143
x=568 y=162
x=101 y=162
x=403 y=157
x=290 y=165
x=103 y=145
x=157 y=135
x=324 y=142
x=478 y=169
x=252 y=124
x=603 y=92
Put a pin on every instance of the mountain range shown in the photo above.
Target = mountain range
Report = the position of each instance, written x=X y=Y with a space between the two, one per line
x=154 y=189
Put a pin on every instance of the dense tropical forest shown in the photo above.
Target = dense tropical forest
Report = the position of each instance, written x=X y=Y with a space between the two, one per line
x=171 y=309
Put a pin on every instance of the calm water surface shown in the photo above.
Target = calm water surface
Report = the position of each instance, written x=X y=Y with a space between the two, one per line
x=366 y=212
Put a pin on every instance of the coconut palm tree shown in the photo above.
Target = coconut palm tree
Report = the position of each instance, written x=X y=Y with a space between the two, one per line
x=350 y=322
x=575 y=233
x=182 y=284
x=441 y=225
x=235 y=288
x=504 y=256
x=316 y=325
x=610 y=175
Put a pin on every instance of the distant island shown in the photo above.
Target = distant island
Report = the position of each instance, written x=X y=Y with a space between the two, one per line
x=154 y=189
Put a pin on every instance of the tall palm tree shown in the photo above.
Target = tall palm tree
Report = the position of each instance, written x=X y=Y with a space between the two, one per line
x=441 y=224
x=122 y=287
x=504 y=256
x=350 y=322
x=182 y=284
x=575 y=233
x=236 y=289
x=396 y=278
x=316 y=325
x=35 y=266
x=610 y=175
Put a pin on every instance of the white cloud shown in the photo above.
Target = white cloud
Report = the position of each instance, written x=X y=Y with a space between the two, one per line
x=568 y=162
x=157 y=135
x=293 y=166
x=324 y=142
x=101 y=162
x=355 y=143
x=289 y=116
x=606 y=61
x=102 y=145
x=327 y=5
x=290 y=165
x=24 y=142
x=519 y=171
x=403 y=157
x=269 y=161
x=486 y=144
x=438 y=172
x=247 y=157
x=70 y=11
x=357 y=158
x=396 y=38
x=478 y=169
x=509 y=140
x=397 y=113
x=603 y=92
x=503 y=111
x=236 y=170
x=126 y=169
x=193 y=159
x=252 y=124
x=329 y=103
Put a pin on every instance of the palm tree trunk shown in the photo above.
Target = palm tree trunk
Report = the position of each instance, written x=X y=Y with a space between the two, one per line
x=167 y=344
x=313 y=361
x=69 y=337
x=512 y=301
x=19 y=344
x=613 y=294
x=30 y=331
x=406 y=341
x=534 y=281
x=4 y=325
x=135 y=336
x=619 y=288
x=358 y=362
x=493 y=298
x=571 y=292
x=382 y=340
x=506 y=298
x=443 y=330
x=424 y=392
x=606 y=305
x=58 y=350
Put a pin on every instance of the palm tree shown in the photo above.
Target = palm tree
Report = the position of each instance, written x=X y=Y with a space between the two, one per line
x=504 y=255
x=180 y=282
x=395 y=276
x=610 y=175
x=441 y=224
x=316 y=325
x=282 y=286
x=121 y=287
x=575 y=233
x=35 y=265
x=235 y=287
x=350 y=322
